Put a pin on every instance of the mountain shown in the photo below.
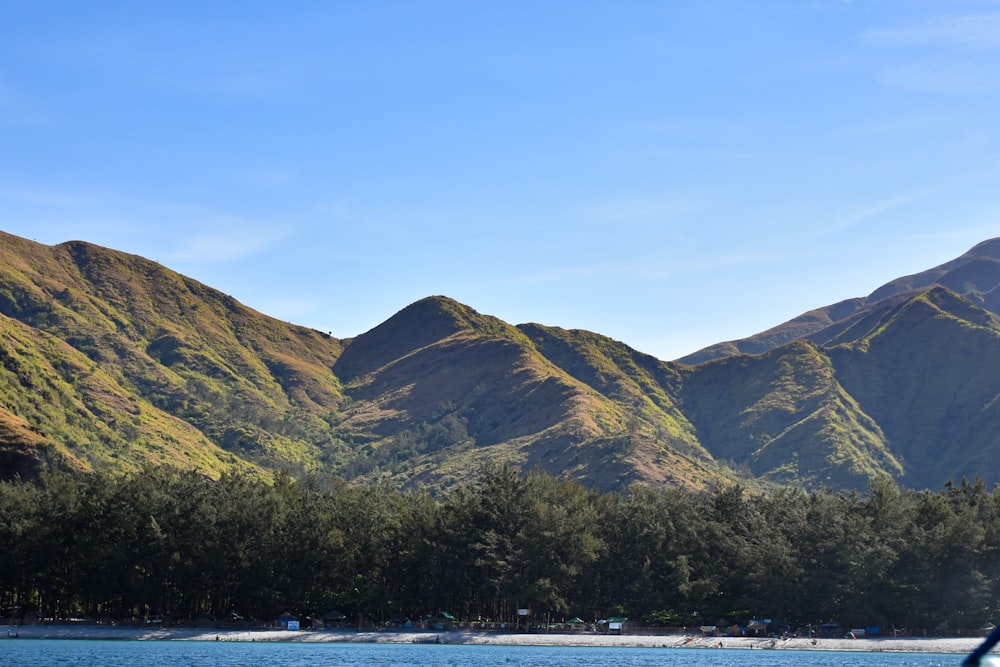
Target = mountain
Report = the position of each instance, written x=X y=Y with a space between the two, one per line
x=112 y=361
x=975 y=275
x=439 y=388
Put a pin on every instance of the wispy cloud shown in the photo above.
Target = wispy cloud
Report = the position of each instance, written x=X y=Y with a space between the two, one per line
x=913 y=122
x=965 y=236
x=196 y=60
x=862 y=214
x=956 y=77
x=134 y=224
x=978 y=32
x=42 y=196
x=951 y=52
x=233 y=240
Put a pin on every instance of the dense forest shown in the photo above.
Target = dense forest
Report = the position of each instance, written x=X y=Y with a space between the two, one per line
x=183 y=547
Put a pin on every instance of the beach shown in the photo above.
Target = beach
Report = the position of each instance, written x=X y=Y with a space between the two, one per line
x=688 y=641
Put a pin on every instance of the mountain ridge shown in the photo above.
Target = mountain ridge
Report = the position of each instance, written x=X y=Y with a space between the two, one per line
x=112 y=361
x=974 y=275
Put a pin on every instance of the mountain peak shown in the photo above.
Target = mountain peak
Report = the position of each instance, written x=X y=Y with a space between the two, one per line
x=111 y=361
x=419 y=324
x=973 y=275
x=989 y=248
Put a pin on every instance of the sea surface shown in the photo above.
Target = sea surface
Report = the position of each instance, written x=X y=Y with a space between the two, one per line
x=96 y=653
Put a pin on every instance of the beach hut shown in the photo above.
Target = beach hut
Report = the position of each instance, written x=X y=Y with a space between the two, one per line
x=288 y=622
x=616 y=625
x=333 y=619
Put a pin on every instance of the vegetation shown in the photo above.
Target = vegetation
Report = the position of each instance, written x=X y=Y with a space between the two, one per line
x=110 y=362
x=182 y=546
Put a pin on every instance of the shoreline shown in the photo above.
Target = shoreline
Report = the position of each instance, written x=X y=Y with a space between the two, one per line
x=689 y=641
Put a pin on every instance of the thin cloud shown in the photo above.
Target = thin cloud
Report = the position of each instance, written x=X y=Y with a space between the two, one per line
x=124 y=220
x=947 y=78
x=980 y=32
x=197 y=62
x=237 y=241
x=863 y=214
x=964 y=236
x=41 y=196
x=912 y=122
x=952 y=52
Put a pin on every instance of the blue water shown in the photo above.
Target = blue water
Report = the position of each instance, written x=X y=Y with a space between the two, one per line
x=92 y=653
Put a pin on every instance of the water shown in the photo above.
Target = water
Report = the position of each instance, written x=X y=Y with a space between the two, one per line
x=95 y=653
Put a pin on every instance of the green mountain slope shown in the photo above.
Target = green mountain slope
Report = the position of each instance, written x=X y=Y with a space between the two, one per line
x=254 y=386
x=784 y=416
x=905 y=387
x=439 y=388
x=110 y=361
x=426 y=397
x=60 y=408
x=926 y=372
x=663 y=443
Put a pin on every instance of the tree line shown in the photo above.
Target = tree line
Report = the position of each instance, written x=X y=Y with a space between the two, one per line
x=181 y=547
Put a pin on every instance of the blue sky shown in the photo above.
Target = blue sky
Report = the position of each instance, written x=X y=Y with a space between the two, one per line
x=670 y=174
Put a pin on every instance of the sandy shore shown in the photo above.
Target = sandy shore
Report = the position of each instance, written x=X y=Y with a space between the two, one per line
x=911 y=645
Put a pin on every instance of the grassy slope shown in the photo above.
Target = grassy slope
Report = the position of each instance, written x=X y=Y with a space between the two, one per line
x=926 y=371
x=80 y=418
x=503 y=395
x=905 y=388
x=250 y=384
x=784 y=416
x=662 y=444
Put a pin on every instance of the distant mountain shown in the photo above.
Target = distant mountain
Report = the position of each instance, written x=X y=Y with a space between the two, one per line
x=111 y=361
x=975 y=275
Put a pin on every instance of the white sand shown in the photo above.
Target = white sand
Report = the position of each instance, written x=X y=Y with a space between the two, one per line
x=914 y=645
